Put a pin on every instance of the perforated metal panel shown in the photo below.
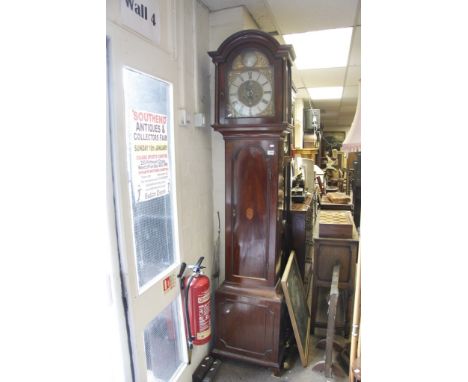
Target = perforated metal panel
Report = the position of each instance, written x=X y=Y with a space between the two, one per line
x=153 y=237
x=162 y=339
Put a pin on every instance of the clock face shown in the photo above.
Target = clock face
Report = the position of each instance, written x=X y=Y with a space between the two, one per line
x=250 y=86
x=250 y=94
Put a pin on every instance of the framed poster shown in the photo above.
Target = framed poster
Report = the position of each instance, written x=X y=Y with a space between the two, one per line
x=148 y=107
x=151 y=180
x=295 y=296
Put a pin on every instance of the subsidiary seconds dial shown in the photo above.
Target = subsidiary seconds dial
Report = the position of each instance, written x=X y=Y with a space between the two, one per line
x=250 y=94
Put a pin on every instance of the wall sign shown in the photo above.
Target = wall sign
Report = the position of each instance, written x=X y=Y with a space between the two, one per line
x=149 y=154
x=168 y=283
x=148 y=124
x=143 y=17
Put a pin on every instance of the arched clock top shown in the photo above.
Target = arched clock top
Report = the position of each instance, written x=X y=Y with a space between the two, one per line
x=252 y=83
x=252 y=37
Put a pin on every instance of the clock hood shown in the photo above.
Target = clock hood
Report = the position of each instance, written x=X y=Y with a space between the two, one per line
x=254 y=37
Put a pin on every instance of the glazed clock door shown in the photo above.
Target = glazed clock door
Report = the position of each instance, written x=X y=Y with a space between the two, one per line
x=252 y=211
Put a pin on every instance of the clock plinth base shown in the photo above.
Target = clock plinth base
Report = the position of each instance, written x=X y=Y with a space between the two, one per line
x=251 y=324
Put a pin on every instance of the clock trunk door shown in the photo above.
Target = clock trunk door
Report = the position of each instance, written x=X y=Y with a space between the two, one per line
x=252 y=240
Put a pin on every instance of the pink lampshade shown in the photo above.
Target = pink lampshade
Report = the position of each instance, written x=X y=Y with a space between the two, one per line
x=352 y=142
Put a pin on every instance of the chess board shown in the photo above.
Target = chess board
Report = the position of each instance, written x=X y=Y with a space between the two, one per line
x=337 y=224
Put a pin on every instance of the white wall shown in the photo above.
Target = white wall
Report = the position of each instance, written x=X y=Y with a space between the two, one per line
x=226 y=22
x=193 y=146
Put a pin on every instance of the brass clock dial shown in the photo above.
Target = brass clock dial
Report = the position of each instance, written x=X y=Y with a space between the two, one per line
x=250 y=94
x=250 y=86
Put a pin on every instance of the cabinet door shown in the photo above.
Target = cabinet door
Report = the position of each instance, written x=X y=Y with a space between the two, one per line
x=329 y=253
x=248 y=326
x=251 y=209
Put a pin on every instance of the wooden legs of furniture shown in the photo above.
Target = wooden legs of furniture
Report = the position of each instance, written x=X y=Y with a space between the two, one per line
x=327 y=365
x=343 y=320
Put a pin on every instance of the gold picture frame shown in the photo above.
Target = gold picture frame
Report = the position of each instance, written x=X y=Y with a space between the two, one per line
x=295 y=296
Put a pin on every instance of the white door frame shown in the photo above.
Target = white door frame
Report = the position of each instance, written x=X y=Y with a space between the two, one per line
x=130 y=50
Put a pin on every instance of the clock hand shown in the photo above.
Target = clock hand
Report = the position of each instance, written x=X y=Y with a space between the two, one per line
x=250 y=93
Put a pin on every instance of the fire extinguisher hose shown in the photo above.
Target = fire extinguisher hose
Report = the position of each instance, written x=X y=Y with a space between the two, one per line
x=196 y=271
x=189 y=330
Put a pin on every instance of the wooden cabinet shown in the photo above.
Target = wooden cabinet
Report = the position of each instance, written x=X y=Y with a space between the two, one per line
x=327 y=253
x=252 y=112
x=301 y=235
x=302 y=221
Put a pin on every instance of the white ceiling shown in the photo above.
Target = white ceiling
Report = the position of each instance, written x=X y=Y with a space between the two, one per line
x=280 y=17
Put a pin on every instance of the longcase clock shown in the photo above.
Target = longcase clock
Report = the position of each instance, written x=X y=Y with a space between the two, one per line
x=252 y=112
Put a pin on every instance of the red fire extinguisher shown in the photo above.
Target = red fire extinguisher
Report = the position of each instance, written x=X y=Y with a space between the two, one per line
x=197 y=305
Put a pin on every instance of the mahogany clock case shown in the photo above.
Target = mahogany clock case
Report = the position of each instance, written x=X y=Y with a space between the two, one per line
x=256 y=211
x=251 y=314
x=256 y=168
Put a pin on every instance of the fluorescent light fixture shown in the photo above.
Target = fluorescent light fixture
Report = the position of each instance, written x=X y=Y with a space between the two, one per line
x=330 y=92
x=321 y=49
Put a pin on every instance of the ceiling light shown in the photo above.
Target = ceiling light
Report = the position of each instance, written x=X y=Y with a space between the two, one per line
x=321 y=49
x=331 y=92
